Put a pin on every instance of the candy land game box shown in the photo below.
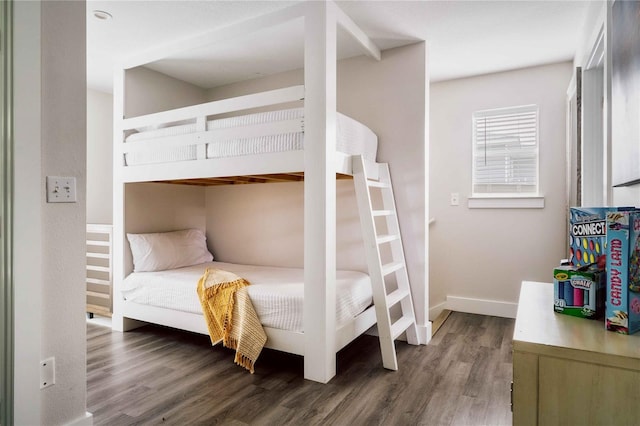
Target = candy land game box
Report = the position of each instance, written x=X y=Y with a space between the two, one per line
x=623 y=272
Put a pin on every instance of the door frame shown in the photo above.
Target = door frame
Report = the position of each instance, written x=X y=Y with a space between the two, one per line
x=594 y=153
x=6 y=213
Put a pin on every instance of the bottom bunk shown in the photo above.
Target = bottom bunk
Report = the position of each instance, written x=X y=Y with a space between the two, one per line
x=169 y=297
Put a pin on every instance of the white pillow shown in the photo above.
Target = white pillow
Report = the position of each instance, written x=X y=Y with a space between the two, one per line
x=168 y=250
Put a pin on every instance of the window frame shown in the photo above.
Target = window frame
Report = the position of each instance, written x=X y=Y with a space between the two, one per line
x=510 y=199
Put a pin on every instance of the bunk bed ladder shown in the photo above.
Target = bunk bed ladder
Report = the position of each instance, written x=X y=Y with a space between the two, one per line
x=385 y=259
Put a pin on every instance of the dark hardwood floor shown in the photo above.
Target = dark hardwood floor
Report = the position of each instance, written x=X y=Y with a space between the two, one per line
x=156 y=375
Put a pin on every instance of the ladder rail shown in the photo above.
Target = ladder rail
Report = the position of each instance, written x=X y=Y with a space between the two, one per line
x=397 y=250
x=374 y=262
x=388 y=329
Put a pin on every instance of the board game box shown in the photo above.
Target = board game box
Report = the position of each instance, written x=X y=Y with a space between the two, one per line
x=587 y=234
x=623 y=272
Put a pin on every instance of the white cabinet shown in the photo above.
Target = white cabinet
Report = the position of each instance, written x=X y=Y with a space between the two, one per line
x=569 y=370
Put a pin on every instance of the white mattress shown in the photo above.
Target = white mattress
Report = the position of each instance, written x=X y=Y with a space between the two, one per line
x=353 y=138
x=277 y=293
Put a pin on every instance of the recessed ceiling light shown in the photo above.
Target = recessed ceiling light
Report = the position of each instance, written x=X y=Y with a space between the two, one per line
x=102 y=15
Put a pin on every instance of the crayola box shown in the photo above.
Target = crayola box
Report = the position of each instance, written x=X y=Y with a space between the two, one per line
x=579 y=291
x=623 y=267
x=587 y=234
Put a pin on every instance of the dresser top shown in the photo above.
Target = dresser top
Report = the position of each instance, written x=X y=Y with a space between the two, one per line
x=539 y=329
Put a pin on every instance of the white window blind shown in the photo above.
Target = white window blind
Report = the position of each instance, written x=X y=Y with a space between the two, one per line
x=505 y=151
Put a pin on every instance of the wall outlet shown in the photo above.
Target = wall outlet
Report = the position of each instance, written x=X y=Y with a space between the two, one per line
x=61 y=189
x=47 y=372
x=455 y=199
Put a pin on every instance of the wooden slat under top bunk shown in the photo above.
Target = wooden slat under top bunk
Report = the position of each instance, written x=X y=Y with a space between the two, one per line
x=242 y=180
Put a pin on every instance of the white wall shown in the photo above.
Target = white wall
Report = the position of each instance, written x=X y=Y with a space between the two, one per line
x=64 y=154
x=149 y=91
x=49 y=238
x=484 y=254
x=158 y=207
x=99 y=157
x=393 y=98
x=627 y=196
x=27 y=226
x=263 y=224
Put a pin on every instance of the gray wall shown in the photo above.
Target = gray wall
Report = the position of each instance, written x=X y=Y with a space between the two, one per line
x=149 y=91
x=99 y=157
x=50 y=134
x=479 y=257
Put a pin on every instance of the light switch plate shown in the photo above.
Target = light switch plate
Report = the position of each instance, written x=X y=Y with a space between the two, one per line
x=61 y=189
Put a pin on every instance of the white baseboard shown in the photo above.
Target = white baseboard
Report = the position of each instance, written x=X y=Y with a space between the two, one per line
x=434 y=311
x=86 y=420
x=424 y=333
x=496 y=308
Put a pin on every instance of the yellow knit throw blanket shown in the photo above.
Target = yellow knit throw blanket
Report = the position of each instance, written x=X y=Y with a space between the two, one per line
x=230 y=316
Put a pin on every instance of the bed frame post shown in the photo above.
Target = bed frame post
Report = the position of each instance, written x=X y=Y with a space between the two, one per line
x=117 y=321
x=320 y=192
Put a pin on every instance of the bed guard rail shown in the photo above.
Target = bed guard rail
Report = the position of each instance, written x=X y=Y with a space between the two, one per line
x=256 y=100
x=199 y=114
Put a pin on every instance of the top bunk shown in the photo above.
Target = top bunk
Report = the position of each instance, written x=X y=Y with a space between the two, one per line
x=192 y=145
x=269 y=136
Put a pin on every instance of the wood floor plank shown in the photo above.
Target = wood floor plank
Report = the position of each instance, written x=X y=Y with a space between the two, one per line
x=155 y=375
x=467 y=409
x=443 y=405
x=476 y=380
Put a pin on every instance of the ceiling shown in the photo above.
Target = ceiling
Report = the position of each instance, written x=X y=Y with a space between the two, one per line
x=465 y=37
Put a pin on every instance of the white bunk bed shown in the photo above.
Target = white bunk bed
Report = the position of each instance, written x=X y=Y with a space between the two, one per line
x=188 y=158
x=169 y=298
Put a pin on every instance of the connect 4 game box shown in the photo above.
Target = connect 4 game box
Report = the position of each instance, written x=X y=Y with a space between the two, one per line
x=623 y=272
x=587 y=234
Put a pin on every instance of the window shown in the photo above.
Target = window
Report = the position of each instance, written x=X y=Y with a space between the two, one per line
x=505 y=152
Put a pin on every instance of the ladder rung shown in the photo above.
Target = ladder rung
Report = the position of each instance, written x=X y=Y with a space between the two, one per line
x=400 y=326
x=387 y=238
x=98 y=243
x=98 y=255
x=98 y=281
x=391 y=267
x=396 y=296
x=382 y=212
x=378 y=184
x=98 y=268
x=101 y=295
x=100 y=310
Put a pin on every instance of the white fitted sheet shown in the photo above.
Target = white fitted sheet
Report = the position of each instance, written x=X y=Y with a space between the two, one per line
x=277 y=293
x=353 y=138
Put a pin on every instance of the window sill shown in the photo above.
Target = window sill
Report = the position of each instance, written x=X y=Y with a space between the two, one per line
x=506 y=202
